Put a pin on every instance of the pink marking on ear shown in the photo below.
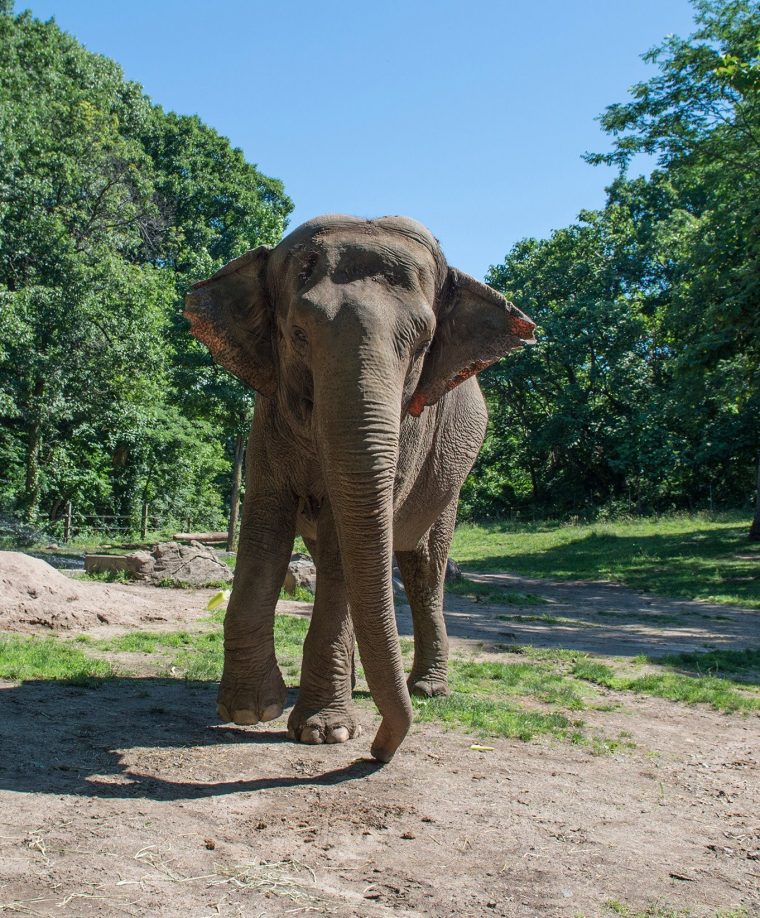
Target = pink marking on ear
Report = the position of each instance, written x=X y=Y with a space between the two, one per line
x=416 y=405
x=468 y=371
x=521 y=328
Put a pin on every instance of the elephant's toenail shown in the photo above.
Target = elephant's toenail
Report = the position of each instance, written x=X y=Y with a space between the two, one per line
x=270 y=712
x=311 y=735
x=244 y=718
x=223 y=713
x=337 y=735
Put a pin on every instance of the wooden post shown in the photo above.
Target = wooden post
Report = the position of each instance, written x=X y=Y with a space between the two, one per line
x=67 y=522
x=144 y=521
x=237 y=474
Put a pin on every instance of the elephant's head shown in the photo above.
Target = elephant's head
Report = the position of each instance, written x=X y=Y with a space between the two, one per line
x=352 y=324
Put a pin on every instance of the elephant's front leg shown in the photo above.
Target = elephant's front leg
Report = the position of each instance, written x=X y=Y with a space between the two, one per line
x=252 y=688
x=324 y=711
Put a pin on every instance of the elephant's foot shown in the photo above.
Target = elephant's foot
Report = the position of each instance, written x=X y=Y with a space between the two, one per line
x=332 y=724
x=247 y=700
x=427 y=685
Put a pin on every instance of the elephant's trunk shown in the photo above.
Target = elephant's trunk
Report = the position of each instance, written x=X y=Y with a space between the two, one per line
x=358 y=435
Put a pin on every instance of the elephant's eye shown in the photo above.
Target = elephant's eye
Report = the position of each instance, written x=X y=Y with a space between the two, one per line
x=422 y=350
x=299 y=338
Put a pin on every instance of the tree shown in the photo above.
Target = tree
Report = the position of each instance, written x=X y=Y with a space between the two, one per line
x=109 y=209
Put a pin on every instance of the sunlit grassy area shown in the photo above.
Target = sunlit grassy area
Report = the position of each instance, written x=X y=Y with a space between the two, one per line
x=525 y=693
x=24 y=658
x=694 y=557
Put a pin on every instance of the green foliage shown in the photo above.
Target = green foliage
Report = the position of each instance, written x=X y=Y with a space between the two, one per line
x=109 y=209
x=643 y=391
x=693 y=557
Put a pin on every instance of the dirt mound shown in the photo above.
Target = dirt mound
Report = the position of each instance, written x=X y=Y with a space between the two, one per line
x=34 y=595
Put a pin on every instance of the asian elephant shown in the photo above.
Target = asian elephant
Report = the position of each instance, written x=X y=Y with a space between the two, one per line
x=363 y=345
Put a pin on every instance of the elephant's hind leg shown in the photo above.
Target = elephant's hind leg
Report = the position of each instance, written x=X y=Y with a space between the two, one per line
x=423 y=572
x=324 y=711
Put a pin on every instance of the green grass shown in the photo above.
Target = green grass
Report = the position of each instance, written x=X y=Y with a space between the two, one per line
x=301 y=595
x=495 y=718
x=694 y=557
x=739 y=665
x=24 y=658
x=722 y=694
x=502 y=680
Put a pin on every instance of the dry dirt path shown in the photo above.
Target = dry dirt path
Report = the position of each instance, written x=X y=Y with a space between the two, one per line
x=127 y=799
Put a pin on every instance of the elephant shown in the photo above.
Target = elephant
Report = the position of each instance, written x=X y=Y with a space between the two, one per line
x=363 y=345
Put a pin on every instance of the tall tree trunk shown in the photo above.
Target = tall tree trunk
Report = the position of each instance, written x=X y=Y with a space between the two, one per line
x=754 y=531
x=237 y=473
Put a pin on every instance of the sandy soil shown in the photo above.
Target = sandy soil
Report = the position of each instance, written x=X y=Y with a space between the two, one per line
x=128 y=798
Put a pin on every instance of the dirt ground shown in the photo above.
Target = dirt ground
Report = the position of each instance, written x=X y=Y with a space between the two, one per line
x=129 y=799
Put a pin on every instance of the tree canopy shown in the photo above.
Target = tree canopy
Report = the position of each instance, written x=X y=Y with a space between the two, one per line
x=644 y=388
x=643 y=391
x=109 y=208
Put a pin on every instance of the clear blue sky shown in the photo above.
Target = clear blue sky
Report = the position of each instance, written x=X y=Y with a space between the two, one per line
x=469 y=115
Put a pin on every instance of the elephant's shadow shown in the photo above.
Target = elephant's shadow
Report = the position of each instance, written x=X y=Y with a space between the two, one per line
x=59 y=738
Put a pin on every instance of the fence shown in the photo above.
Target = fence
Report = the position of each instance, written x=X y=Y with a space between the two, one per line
x=109 y=523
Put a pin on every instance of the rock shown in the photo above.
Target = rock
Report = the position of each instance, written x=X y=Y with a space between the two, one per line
x=301 y=573
x=194 y=563
x=168 y=562
x=453 y=571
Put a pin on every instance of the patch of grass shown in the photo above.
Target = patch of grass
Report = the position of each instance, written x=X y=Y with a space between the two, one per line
x=301 y=595
x=145 y=641
x=105 y=576
x=497 y=681
x=739 y=665
x=24 y=658
x=488 y=592
x=485 y=716
x=721 y=694
x=694 y=557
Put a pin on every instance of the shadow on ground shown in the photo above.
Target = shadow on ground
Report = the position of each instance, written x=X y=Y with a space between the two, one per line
x=58 y=738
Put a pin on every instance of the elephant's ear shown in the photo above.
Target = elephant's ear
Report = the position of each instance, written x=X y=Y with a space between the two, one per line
x=231 y=314
x=476 y=326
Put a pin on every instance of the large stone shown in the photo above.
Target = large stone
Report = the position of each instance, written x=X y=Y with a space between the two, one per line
x=168 y=563
x=453 y=571
x=194 y=563
x=301 y=573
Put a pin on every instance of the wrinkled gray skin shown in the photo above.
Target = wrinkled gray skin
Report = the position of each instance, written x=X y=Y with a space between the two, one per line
x=357 y=336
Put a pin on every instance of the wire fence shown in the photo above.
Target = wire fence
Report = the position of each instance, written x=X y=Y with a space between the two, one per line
x=74 y=523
